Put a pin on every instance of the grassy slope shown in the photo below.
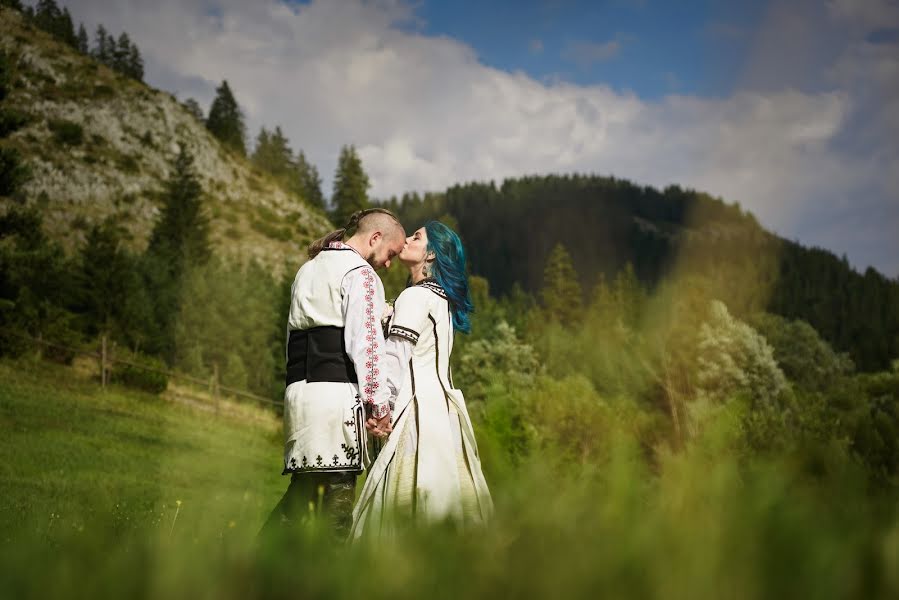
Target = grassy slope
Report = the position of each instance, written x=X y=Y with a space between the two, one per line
x=90 y=481
x=74 y=456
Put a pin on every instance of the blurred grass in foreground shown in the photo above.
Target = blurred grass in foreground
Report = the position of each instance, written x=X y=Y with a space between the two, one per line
x=90 y=483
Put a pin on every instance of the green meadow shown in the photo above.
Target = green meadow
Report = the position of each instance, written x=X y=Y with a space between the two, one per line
x=118 y=493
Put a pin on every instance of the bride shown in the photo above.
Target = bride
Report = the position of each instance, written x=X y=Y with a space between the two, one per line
x=428 y=469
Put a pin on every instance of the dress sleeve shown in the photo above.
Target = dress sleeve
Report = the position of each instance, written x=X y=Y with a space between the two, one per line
x=363 y=304
x=410 y=315
x=399 y=351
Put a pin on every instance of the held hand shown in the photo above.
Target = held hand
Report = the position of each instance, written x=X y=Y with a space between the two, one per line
x=379 y=427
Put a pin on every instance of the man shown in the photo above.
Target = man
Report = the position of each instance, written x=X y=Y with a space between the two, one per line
x=335 y=358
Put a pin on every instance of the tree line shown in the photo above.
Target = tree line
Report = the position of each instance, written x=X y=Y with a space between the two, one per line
x=118 y=53
x=272 y=154
x=607 y=223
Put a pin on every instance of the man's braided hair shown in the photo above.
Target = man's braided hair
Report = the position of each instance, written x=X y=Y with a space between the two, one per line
x=349 y=229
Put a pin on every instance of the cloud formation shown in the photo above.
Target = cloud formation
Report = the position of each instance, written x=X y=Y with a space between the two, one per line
x=820 y=165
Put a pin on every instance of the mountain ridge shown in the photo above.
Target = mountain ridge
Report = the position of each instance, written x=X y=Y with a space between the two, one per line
x=100 y=145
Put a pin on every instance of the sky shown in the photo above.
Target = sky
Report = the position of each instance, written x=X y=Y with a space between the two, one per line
x=790 y=107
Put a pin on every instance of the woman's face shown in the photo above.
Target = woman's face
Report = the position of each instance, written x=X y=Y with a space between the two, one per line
x=416 y=249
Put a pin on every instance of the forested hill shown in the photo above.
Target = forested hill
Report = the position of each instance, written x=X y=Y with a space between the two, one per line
x=605 y=223
x=99 y=145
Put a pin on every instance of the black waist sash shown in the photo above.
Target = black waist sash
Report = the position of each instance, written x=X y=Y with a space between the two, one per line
x=318 y=354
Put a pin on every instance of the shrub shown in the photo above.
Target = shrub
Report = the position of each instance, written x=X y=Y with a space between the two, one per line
x=66 y=132
x=136 y=377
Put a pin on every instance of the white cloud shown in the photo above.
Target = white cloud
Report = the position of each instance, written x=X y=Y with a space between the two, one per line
x=425 y=113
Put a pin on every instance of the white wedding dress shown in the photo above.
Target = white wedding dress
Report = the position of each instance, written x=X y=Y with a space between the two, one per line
x=428 y=469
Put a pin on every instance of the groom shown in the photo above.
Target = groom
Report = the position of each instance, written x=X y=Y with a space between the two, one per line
x=335 y=375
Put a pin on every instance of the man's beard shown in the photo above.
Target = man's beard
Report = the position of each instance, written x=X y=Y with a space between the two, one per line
x=370 y=259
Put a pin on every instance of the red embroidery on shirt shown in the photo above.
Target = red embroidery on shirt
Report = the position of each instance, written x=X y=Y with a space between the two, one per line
x=371 y=383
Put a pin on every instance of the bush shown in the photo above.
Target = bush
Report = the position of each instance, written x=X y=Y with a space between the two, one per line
x=66 y=132
x=136 y=377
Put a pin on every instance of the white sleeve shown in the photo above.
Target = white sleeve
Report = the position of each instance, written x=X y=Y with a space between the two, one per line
x=363 y=304
x=399 y=351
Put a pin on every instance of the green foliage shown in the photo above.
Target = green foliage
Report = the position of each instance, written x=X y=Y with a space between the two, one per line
x=13 y=173
x=66 y=132
x=308 y=181
x=225 y=120
x=561 y=292
x=179 y=242
x=606 y=223
x=108 y=283
x=182 y=234
x=734 y=359
x=120 y=55
x=350 y=186
x=498 y=355
x=152 y=379
x=11 y=121
x=805 y=358
x=229 y=316
x=193 y=107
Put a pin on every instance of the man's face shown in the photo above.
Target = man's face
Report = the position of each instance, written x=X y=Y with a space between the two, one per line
x=383 y=249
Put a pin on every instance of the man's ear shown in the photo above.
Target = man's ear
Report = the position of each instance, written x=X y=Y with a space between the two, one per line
x=375 y=238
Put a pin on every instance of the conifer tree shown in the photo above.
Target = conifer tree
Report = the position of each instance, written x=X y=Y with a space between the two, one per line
x=181 y=235
x=193 y=107
x=561 y=292
x=135 y=64
x=47 y=16
x=121 y=54
x=308 y=181
x=350 y=186
x=102 y=42
x=83 y=42
x=225 y=120
x=66 y=29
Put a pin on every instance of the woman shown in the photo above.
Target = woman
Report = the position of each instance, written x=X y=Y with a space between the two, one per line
x=428 y=469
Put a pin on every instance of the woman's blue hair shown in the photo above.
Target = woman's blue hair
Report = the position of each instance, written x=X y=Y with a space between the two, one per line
x=449 y=271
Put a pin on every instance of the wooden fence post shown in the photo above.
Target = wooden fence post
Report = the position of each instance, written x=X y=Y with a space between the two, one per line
x=103 y=367
x=215 y=386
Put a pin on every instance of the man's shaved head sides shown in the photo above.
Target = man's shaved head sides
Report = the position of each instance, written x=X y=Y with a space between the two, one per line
x=376 y=219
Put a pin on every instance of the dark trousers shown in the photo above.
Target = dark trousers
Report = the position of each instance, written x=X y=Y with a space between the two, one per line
x=326 y=495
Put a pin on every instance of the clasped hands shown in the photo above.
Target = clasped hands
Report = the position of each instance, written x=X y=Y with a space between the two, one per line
x=379 y=427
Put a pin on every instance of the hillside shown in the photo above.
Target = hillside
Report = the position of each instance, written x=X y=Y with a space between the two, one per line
x=606 y=223
x=100 y=145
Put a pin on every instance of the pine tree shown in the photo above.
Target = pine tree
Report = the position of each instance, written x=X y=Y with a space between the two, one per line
x=350 y=186
x=179 y=242
x=281 y=154
x=83 y=42
x=225 y=120
x=193 y=107
x=13 y=4
x=181 y=235
x=66 y=29
x=135 y=64
x=121 y=53
x=47 y=16
x=106 y=278
x=261 y=156
x=308 y=181
x=561 y=292
x=102 y=43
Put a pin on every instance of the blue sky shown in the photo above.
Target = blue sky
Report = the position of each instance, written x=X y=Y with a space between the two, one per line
x=651 y=48
x=789 y=107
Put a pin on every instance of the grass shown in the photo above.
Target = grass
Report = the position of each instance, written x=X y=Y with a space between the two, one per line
x=77 y=457
x=91 y=482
